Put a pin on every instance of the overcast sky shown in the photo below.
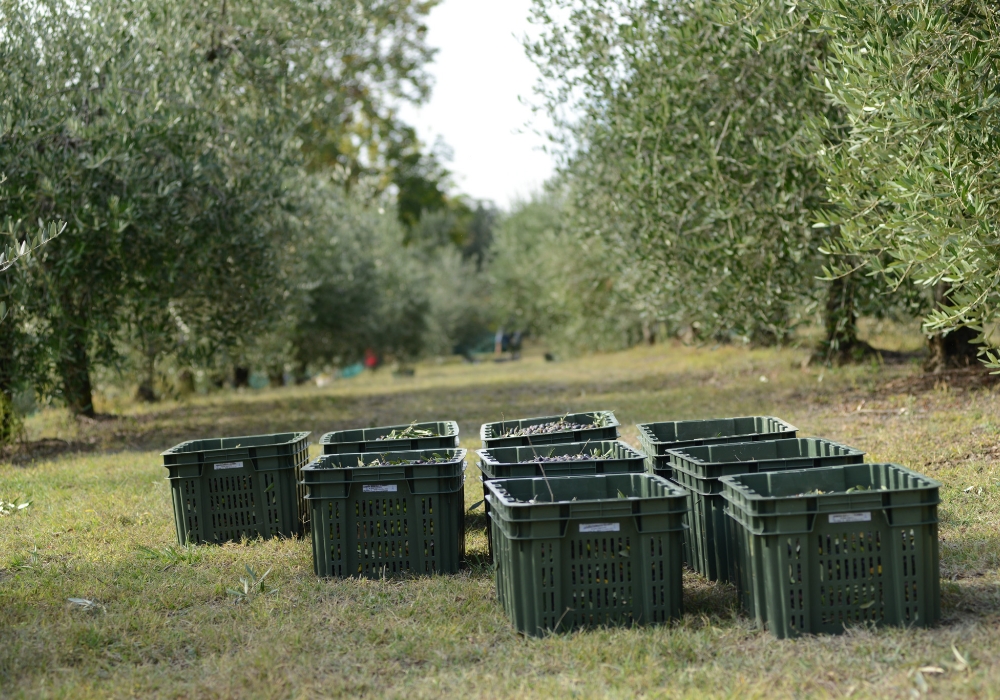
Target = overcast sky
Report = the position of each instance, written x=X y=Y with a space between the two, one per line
x=480 y=72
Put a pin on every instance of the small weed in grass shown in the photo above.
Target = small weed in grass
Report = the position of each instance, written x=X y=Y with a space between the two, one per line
x=12 y=507
x=171 y=555
x=86 y=605
x=251 y=586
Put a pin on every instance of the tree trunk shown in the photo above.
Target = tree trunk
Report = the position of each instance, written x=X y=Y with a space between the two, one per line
x=953 y=350
x=648 y=333
x=241 y=377
x=276 y=376
x=147 y=386
x=74 y=367
x=840 y=321
x=10 y=422
x=185 y=383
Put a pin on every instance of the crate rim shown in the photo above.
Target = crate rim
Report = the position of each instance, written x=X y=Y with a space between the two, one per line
x=462 y=454
x=732 y=482
x=680 y=452
x=482 y=453
x=297 y=436
x=326 y=438
x=646 y=433
x=613 y=424
x=367 y=478
x=706 y=479
x=461 y=476
x=741 y=518
x=494 y=486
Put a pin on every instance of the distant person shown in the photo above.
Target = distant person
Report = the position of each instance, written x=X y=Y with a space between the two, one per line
x=371 y=359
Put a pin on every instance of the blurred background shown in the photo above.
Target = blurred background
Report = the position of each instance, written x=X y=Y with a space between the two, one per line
x=199 y=196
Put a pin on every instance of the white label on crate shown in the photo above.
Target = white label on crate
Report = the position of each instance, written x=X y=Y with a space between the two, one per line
x=378 y=488
x=850 y=517
x=600 y=527
x=229 y=465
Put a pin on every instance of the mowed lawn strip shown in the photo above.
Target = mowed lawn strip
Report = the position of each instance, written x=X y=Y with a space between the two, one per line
x=163 y=622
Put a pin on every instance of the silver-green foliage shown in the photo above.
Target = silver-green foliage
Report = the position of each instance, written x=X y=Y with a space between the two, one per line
x=915 y=180
x=358 y=285
x=162 y=133
x=15 y=246
x=576 y=291
x=459 y=301
x=685 y=153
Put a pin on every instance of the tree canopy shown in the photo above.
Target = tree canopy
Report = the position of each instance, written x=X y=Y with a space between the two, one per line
x=169 y=137
x=688 y=149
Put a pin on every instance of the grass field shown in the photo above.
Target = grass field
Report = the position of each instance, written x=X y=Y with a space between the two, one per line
x=100 y=527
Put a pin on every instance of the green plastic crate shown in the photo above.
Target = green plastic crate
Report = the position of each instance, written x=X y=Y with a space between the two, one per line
x=686 y=549
x=385 y=521
x=226 y=489
x=711 y=542
x=579 y=551
x=492 y=434
x=819 y=562
x=371 y=439
x=656 y=439
x=603 y=456
x=612 y=457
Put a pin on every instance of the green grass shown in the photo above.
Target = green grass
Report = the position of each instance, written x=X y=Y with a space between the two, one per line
x=100 y=528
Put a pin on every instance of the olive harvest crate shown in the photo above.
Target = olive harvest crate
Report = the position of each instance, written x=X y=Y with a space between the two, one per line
x=444 y=436
x=581 y=458
x=831 y=547
x=579 y=427
x=656 y=439
x=711 y=543
x=579 y=551
x=229 y=488
x=406 y=516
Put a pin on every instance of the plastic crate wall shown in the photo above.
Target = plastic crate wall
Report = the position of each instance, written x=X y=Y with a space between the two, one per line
x=814 y=564
x=375 y=534
x=235 y=504
x=604 y=563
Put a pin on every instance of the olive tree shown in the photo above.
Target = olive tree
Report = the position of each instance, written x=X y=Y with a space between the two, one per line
x=913 y=182
x=545 y=280
x=162 y=133
x=686 y=147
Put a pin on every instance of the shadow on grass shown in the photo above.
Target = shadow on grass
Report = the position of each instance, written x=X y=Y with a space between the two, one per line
x=964 y=379
x=478 y=564
x=970 y=578
x=320 y=413
x=977 y=599
x=475 y=520
x=471 y=404
x=708 y=598
x=46 y=448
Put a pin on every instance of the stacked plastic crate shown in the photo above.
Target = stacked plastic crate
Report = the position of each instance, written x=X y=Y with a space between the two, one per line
x=226 y=489
x=579 y=535
x=657 y=439
x=813 y=538
x=388 y=501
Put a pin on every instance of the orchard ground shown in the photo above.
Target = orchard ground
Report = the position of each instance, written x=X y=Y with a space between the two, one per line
x=100 y=527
